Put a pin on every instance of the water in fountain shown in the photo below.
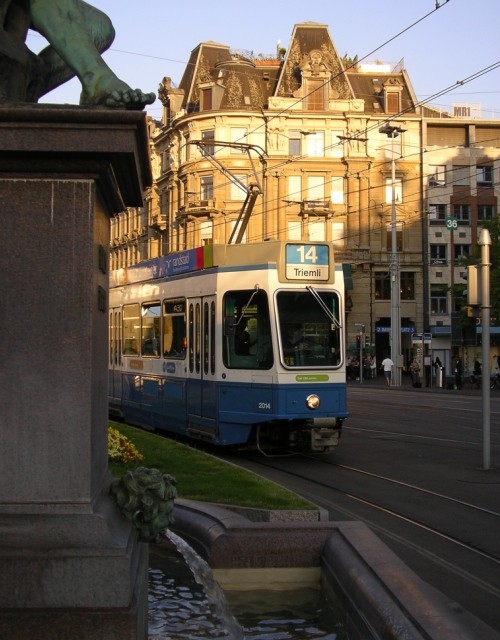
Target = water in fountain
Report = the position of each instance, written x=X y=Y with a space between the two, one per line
x=185 y=601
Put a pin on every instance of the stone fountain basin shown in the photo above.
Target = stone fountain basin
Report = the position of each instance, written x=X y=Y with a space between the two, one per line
x=382 y=597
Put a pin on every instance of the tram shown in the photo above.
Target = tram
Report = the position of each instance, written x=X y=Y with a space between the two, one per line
x=237 y=345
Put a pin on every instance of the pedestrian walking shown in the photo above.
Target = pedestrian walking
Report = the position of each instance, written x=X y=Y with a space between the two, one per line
x=386 y=367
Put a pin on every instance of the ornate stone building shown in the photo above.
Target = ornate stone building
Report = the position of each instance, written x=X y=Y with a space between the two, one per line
x=290 y=147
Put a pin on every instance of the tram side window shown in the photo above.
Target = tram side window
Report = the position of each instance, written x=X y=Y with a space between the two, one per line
x=150 y=331
x=174 y=328
x=131 y=330
x=115 y=349
x=247 y=330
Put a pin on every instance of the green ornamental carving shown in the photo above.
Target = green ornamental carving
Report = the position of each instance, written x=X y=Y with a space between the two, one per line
x=146 y=498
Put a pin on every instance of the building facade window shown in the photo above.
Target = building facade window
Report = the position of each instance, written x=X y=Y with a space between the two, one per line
x=237 y=192
x=206 y=232
x=484 y=212
x=208 y=137
x=206 y=99
x=315 y=144
x=398 y=190
x=238 y=136
x=294 y=191
x=399 y=237
x=294 y=230
x=185 y=150
x=337 y=190
x=207 y=187
x=315 y=95
x=392 y=102
x=382 y=285
x=437 y=175
x=439 y=300
x=337 y=146
x=315 y=189
x=294 y=143
x=461 y=251
x=407 y=285
x=438 y=253
x=437 y=213
x=462 y=213
x=338 y=234
x=484 y=176
x=316 y=230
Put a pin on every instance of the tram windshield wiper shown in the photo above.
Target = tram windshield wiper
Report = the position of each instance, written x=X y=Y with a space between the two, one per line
x=322 y=304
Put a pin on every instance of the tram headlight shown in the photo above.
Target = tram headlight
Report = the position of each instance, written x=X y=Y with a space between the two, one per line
x=312 y=401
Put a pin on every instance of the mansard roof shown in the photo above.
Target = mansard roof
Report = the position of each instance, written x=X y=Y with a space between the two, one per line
x=247 y=82
x=310 y=37
x=370 y=88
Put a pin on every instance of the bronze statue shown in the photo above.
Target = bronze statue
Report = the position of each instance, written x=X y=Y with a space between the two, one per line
x=77 y=34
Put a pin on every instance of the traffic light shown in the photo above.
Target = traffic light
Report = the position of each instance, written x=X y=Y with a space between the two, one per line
x=360 y=340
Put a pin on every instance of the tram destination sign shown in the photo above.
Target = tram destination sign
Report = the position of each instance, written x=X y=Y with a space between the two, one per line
x=307 y=262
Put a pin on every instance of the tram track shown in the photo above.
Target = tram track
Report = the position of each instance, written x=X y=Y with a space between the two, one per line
x=457 y=570
x=392 y=512
x=410 y=469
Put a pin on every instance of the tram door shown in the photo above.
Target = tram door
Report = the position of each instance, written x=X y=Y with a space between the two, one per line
x=201 y=392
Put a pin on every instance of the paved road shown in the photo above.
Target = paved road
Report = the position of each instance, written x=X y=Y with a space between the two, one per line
x=410 y=465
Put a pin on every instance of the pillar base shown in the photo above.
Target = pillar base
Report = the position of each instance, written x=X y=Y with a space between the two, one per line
x=71 y=566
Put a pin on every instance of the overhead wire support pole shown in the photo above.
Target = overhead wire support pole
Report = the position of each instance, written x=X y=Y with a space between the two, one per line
x=252 y=190
x=392 y=132
x=485 y=243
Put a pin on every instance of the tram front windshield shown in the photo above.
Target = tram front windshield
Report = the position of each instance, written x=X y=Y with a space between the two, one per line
x=309 y=328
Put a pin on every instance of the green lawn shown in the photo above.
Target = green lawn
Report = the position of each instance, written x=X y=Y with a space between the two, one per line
x=201 y=476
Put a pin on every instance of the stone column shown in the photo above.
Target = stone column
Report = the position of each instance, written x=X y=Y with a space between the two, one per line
x=70 y=565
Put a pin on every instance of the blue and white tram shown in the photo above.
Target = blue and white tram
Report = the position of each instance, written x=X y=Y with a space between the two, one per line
x=232 y=344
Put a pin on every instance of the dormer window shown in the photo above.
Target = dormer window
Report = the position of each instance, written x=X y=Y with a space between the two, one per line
x=392 y=93
x=210 y=95
x=316 y=75
x=315 y=95
x=392 y=102
x=206 y=99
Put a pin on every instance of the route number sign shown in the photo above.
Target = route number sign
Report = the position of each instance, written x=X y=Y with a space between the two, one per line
x=451 y=223
x=307 y=262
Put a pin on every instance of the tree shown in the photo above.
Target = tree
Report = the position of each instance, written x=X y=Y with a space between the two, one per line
x=350 y=63
x=493 y=227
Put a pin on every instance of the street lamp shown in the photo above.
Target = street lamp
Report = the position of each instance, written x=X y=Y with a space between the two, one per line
x=392 y=132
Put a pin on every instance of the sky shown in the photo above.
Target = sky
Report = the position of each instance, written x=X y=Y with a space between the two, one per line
x=460 y=41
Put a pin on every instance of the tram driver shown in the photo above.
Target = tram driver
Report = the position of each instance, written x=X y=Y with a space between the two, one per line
x=242 y=341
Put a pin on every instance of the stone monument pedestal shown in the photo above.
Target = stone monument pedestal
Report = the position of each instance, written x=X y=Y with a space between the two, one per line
x=70 y=565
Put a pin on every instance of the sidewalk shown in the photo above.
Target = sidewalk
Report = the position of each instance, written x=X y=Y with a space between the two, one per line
x=406 y=384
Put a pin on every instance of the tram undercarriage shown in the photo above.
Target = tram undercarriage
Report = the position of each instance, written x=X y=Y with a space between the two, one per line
x=308 y=436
